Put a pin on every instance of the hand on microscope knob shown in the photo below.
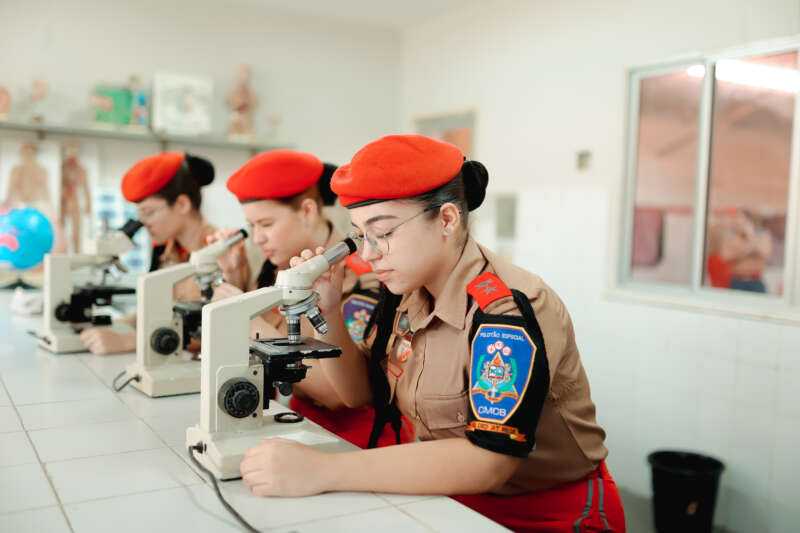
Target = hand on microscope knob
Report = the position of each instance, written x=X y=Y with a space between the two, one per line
x=103 y=341
x=233 y=263
x=328 y=285
x=281 y=467
x=225 y=290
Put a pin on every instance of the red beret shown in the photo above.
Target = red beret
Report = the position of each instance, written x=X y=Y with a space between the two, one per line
x=150 y=175
x=275 y=174
x=396 y=166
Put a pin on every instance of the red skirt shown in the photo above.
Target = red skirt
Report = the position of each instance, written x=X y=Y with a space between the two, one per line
x=353 y=425
x=591 y=504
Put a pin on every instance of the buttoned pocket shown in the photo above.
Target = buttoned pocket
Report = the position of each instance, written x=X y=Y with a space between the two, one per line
x=445 y=411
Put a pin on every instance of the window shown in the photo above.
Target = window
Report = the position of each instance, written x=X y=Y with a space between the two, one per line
x=712 y=154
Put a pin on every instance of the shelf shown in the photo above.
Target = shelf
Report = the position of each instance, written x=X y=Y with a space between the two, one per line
x=138 y=135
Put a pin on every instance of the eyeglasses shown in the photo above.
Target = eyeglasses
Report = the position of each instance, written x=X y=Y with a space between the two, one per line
x=148 y=214
x=380 y=243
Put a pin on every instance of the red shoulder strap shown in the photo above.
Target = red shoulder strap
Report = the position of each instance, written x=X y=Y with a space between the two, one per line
x=487 y=288
x=358 y=265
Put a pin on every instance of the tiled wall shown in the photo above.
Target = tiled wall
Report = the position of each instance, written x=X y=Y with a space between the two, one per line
x=668 y=378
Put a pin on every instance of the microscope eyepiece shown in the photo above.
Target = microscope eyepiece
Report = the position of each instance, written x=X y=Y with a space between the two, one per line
x=339 y=251
x=131 y=227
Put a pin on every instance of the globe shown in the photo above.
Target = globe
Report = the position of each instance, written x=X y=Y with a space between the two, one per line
x=25 y=237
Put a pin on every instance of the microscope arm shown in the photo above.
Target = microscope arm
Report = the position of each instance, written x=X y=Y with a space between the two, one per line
x=155 y=299
x=226 y=327
x=226 y=342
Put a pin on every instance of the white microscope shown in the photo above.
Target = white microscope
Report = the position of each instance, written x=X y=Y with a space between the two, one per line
x=164 y=327
x=69 y=309
x=239 y=374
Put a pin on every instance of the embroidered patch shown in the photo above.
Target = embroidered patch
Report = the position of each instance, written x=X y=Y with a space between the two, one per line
x=501 y=368
x=357 y=310
x=512 y=432
x=402 y=325
x=401 y=352
x=487 y=288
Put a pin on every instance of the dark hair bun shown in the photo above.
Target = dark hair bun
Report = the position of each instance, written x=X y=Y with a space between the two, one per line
x=324 y=184
x=200 y=169
x=476 y=178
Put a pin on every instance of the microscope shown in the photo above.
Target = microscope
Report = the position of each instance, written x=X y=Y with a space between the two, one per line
x=68 y=309
x=239 y=375
x=164 y=327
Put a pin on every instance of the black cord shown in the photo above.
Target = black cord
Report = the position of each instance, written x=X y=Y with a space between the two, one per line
x=246 y=525
x=135 y=378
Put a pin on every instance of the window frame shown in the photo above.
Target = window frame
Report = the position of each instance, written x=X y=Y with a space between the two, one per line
x=695 y=294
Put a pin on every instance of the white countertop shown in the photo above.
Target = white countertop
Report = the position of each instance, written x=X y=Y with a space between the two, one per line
x=75 y=456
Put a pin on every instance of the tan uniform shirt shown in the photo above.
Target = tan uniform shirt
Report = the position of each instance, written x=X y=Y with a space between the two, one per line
x=428 y=371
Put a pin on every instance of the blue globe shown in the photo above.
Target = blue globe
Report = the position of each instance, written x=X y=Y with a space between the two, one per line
x=25 y=237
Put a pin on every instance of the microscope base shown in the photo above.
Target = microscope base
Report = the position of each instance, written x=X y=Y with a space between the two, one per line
x=179 y=376
x=61 y=342
x=224 y=451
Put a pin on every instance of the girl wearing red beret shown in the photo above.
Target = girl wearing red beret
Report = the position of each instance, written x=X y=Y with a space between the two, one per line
x=282 y=193
x=480 y=354
x=167 y=190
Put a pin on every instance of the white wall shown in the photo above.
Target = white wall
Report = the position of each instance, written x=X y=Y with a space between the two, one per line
x=548 y=79
x=335 y=85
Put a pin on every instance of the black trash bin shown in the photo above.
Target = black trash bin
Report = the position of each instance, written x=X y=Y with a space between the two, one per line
x=685 y=489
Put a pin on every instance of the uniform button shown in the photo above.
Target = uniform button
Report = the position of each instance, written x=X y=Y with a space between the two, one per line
x=460 y=417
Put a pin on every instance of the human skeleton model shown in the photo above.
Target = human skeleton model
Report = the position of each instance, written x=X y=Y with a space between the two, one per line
x=39 y=92
x=242 y=102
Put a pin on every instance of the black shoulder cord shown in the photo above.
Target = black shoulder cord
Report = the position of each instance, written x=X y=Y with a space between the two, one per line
x=385 y=411
x=155 y=257
x=266 y=278
x=524 y=306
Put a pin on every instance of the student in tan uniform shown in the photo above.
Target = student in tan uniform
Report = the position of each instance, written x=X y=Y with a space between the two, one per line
x=282 y=193
x=167 y=190
x=478 y=353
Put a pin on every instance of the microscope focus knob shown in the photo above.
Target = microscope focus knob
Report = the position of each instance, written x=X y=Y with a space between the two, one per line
x=62 y=312
x=165 y=341
x=239 y=398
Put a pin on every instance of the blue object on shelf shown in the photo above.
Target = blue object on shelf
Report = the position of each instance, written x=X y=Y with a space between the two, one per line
x=25 y=237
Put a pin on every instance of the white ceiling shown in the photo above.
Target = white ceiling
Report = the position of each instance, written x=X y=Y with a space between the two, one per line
x=390 y=14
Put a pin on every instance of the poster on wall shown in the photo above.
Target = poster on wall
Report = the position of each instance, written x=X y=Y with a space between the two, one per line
x=79 y=171
x=457 y=128
x=182 y=104
x=30 y=176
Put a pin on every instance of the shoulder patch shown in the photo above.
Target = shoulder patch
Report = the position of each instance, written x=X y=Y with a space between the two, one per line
x=487 y=288
x=357 y=310
x=501 y=368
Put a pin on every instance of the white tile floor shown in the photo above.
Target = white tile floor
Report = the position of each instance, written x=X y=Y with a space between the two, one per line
x=49 y=520
x=76 y=457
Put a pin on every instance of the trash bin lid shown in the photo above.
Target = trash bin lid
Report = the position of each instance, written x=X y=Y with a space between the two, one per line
x=685 y=463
